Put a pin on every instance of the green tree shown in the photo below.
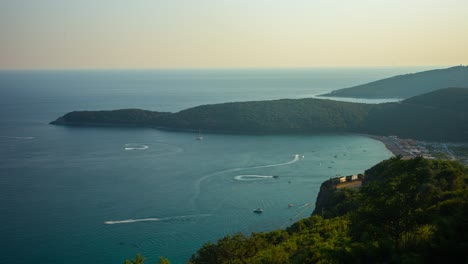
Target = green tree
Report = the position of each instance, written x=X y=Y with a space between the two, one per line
x=163 y=260
x=138 y=260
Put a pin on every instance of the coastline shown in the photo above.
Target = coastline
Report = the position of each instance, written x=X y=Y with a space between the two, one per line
x=391 y=146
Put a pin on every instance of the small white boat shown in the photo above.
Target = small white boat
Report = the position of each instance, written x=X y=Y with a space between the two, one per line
x=199 y=137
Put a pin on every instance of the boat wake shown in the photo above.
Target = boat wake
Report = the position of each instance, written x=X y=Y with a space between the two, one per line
x=132 y=146
x=20 y=138
x=129 y=221
x=199 y=181
x=253 y=177
x=153 y=219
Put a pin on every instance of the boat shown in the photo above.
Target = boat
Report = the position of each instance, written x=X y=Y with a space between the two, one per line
x=275 y=176
x=290 y=205
x=199 y=137
x=258 y=210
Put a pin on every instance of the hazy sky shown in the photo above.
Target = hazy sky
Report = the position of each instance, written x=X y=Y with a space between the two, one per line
x=231 y=33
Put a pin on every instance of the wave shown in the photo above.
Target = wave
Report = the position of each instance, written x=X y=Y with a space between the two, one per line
x=252 y=177
x=199 y=181
x=136 y=147
x=154 y=219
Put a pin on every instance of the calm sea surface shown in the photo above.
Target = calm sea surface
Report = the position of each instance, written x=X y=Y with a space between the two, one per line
x=101 y=195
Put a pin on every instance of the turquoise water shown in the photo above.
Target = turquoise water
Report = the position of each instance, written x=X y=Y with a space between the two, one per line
x=101 y=195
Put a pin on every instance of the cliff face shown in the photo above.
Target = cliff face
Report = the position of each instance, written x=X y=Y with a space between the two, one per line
x=327 y=189
x=337 y=197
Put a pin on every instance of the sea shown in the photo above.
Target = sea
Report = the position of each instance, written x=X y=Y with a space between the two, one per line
x=103 y=195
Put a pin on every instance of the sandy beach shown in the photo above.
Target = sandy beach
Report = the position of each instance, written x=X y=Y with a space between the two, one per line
x=389 y=145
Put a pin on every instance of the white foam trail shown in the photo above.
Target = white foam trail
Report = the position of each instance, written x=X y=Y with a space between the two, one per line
x=199 y=181
x=129 y=221
x=25 y=138
x=252 y=177
x=135 y=147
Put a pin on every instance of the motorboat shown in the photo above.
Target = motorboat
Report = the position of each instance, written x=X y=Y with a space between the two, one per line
x=258 y=210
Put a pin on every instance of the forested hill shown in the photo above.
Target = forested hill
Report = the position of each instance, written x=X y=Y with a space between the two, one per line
x=408 y=85
x=440 y=116
x=277 y=116
x=454 y=99
x=408 y=211
x=418 y=118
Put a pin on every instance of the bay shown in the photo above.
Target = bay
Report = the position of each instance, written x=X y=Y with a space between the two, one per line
x=75 y=194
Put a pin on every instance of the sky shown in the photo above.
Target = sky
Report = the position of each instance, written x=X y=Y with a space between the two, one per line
x=106 y=34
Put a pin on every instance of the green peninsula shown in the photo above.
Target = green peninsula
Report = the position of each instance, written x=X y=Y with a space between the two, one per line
x=407 y=85
x=440 y=116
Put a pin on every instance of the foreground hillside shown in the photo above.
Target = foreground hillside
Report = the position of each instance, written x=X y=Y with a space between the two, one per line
x=408 y=211
x=408 y=85
x=438 y=116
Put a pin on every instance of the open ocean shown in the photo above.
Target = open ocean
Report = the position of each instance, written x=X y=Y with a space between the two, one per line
x=101 y=195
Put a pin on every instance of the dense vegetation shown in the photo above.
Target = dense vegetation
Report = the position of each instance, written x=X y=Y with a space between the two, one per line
x=408 y=85
x=124 y=117
x=440 y=115
x=421 y=117
x=408 y=211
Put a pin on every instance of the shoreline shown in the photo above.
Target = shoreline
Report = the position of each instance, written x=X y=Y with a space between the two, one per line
x=391 y=146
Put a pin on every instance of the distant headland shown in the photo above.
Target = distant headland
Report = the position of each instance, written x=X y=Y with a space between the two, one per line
x=407 y=85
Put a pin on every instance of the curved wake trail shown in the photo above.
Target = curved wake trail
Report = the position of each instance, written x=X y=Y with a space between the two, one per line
x=153 y=219
x=199 y=181
x=172 y=149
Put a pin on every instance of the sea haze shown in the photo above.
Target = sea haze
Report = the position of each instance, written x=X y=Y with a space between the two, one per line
x=76 y=194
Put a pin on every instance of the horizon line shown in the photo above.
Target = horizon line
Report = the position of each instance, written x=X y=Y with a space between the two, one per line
x=226 y=68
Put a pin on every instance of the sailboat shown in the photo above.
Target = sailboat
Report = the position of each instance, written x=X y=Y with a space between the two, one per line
x=199 y=137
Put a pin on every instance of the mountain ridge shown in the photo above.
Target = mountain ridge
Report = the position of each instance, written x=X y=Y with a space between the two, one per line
x=407 y=85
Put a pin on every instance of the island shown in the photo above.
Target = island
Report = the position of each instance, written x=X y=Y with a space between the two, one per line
x=440 y=115
x=407 y=85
